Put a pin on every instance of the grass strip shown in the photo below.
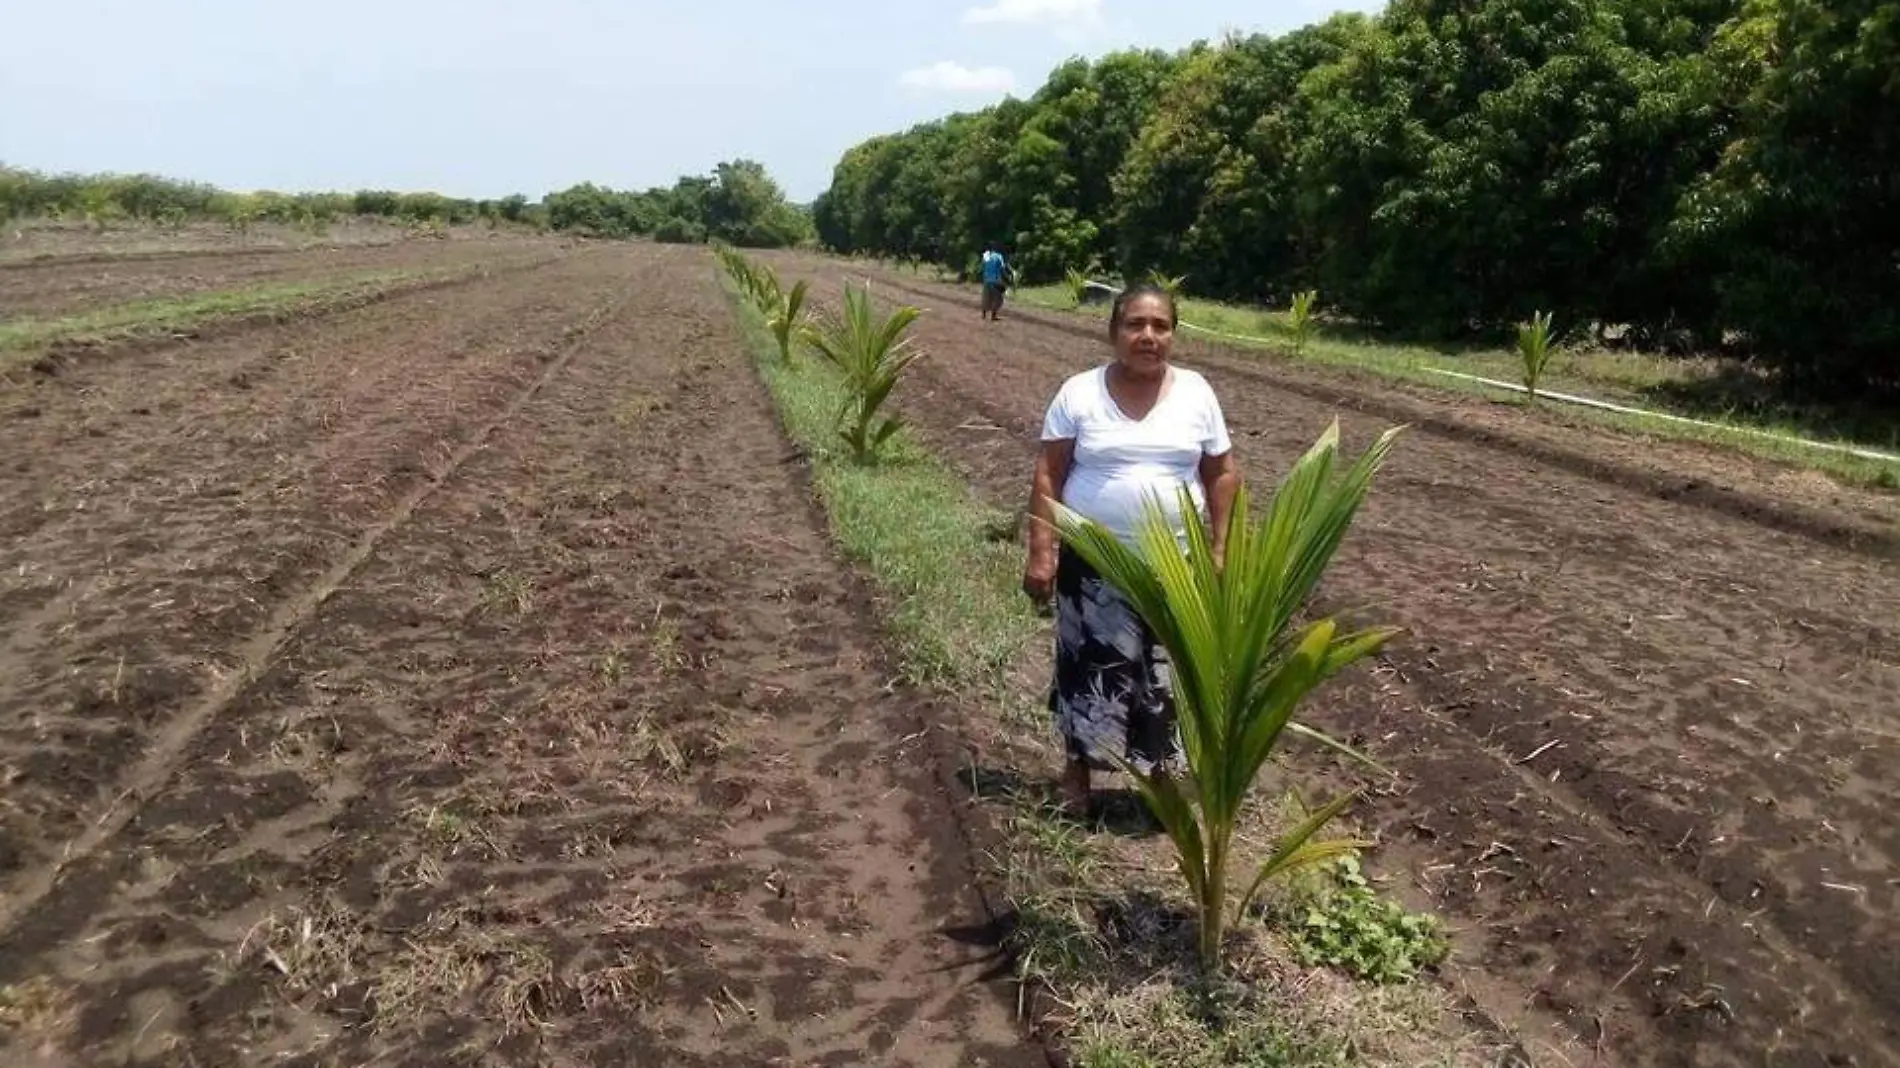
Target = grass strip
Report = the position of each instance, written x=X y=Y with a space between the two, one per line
x=948 y=561
x=1636 y=379
x=169 y=316
x=1099 y=920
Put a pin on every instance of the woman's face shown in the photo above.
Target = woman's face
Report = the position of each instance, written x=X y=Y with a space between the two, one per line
x=1145 y=339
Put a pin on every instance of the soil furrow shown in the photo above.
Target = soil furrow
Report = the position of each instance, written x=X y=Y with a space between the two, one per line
x=159 y=761
x=62 y=287
x=592 y=761
x=180 y=501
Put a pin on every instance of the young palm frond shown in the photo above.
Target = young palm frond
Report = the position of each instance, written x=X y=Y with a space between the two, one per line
x=743 y=274
x=786 y=320
x=1077 y=285
x=1175 y=287
x=872 y=354
x=1239 y=671
x=1533 y=344
x=1300 y=318
x=762 y=286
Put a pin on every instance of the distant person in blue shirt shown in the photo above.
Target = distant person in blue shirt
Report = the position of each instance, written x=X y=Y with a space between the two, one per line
x=995 y=280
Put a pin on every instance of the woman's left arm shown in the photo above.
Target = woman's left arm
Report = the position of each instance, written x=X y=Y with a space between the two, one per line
x=1221 y=477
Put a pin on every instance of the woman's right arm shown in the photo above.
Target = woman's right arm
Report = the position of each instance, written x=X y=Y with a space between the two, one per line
x=1052 y=472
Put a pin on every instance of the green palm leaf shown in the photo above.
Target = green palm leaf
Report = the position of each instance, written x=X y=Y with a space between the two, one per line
x=786 y=320
x=872 y=355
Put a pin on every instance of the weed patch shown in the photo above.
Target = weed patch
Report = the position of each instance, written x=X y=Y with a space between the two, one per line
x=1339 y=920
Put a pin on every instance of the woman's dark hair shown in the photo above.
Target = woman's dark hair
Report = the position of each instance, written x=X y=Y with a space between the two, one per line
x=1140 y=289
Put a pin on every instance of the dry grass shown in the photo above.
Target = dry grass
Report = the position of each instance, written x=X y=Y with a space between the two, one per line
x=508 y=593
x=312 y=950
x=665 y=644
x=35 y=1013
x=460 y=828
x=448 y=966
x=632 y=980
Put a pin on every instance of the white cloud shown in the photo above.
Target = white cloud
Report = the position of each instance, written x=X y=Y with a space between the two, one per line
x=1036 y=12
x=948 y=77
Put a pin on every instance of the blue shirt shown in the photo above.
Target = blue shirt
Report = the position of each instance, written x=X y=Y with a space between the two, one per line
x=992 y=268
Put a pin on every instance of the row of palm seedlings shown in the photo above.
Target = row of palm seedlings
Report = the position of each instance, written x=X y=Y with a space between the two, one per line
x=870 y=351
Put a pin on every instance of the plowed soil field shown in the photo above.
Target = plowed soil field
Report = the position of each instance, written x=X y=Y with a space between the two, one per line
x=463 y=678
x=69 y=284
x=1647 y=721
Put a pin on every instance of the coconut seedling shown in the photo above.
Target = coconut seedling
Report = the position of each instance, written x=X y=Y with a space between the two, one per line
x=872 y=353
x=1300 y=318
x=787 y=320
x=1240 y=665
x=1533 y=346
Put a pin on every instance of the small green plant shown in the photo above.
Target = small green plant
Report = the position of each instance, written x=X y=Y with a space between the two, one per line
x=1300 y=318
x=872 y=355
x=1175 y=287
x=1347 y=925
x=1077 y=285
x=509 y=592
x=1240 y=670
x=743 y=273
x=759 y=284
x=1533 y=344
x=732 y=263
x=786 y=321
x=766 y=293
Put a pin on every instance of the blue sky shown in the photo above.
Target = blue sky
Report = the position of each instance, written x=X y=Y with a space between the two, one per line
x=489 y=97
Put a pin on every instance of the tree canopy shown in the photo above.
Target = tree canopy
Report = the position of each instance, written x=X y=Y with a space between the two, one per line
x=1696 y=172
x=739 y=204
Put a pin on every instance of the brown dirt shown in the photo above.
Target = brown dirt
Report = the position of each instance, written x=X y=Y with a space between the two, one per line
x=1646 y=737
x=44 y=288
x=50 y=239
x=462 y=679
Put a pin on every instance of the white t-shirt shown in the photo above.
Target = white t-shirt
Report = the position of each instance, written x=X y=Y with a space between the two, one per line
x=1122 y=463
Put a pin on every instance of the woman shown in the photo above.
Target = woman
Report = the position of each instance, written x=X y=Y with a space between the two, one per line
x=1115 y=438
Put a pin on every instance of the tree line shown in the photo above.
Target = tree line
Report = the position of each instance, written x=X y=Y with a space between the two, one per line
x=1679 y=174
x=738 y=203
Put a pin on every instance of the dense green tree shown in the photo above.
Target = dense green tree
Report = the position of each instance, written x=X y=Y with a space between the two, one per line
x=738 y=203
x=1208 y=191
x=1445 y=168
x=1801 y=219
x=1470 y=162
x=1034 y=176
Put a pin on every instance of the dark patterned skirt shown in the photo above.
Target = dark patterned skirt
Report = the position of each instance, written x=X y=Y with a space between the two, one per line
x=1113 y=695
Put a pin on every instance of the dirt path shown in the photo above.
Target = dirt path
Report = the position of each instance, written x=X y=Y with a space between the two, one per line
x=566 y=746
x=61 y=287
x=1647 y=745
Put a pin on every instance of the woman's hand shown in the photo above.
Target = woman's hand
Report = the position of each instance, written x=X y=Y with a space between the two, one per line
x=1039 y=577
x=1052 y=472
x=1221 y=476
